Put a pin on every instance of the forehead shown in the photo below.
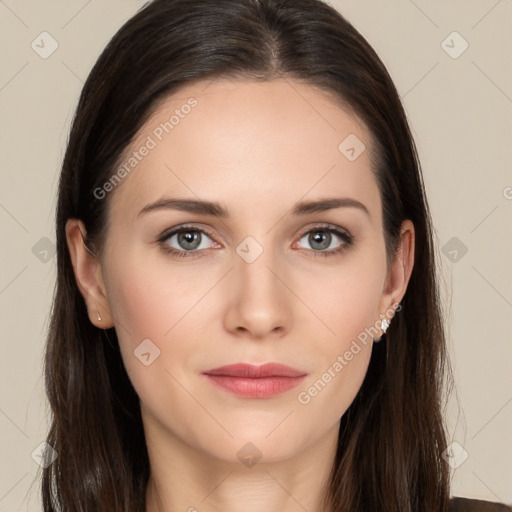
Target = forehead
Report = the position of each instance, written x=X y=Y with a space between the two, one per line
x=248 y=144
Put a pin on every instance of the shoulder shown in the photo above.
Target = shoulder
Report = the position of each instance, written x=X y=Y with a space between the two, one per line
x=458 y=504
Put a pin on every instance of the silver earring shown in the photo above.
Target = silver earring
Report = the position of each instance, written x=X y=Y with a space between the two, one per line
x=99 y=317
x=384 y=324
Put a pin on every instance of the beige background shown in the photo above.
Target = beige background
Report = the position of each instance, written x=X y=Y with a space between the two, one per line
x=460 y=111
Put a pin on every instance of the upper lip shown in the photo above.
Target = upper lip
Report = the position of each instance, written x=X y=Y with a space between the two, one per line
x=256 y=371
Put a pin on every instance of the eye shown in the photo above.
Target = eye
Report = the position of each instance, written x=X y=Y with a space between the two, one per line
x=185 y=240
x=190 y=241
x=322 y=240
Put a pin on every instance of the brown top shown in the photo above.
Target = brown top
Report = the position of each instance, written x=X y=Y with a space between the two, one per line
x=469 y=505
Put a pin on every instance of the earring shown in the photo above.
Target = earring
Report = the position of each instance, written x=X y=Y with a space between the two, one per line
x=384 y=324
x=99 y=317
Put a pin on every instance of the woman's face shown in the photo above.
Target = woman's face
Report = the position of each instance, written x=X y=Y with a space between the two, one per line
x=259 y=284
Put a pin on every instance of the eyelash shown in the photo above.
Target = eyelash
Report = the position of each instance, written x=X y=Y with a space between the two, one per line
x=347 y=238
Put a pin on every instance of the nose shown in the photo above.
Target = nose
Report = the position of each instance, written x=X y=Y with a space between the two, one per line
x=258 y=305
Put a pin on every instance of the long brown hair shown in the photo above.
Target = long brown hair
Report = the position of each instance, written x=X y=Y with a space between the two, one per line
x=392 y=436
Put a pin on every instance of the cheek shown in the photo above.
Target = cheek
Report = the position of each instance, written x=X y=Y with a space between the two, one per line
x=345 y=299
x=342 y=358
x=346 y=302
x=144 y=309
x=157 y=310
x=150 y=297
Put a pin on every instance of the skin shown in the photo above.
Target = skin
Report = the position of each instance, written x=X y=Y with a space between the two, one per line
x=256 y=148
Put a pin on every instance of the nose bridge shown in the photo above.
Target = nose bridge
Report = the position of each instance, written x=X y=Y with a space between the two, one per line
x=255 y=266
x=258 y=302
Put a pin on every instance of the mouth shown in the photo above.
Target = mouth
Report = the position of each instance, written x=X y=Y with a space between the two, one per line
x=252 y=381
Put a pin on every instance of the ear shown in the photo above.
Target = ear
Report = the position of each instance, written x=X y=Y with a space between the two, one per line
x=400 y=271
x=88 y=275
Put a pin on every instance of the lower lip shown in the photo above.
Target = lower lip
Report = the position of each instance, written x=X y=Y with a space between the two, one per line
x=264 y=387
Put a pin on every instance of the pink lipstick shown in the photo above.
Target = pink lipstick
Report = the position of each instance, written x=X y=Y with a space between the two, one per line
x=254 y=381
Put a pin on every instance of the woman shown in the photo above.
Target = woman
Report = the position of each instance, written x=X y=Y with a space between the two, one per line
x=246 y=314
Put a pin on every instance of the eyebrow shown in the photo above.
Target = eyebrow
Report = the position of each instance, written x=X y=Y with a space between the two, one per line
x=215 y=209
